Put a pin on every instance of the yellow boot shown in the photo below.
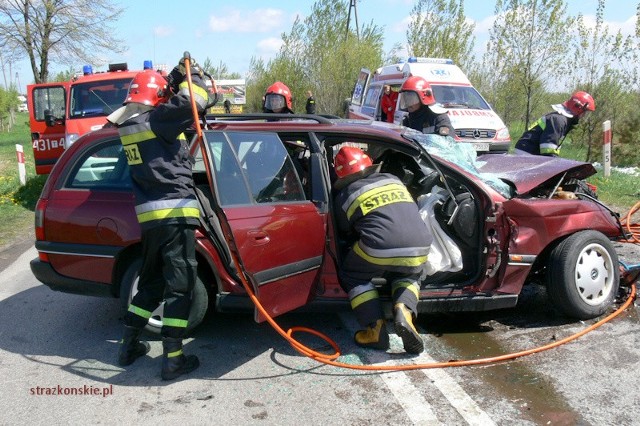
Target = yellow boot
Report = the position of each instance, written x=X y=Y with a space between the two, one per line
x=403 y=321
x=375 y=336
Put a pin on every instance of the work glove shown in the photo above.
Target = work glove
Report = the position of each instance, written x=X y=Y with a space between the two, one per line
x=179 y=73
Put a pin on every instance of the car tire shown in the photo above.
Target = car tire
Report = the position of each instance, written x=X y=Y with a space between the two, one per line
x=583 y=275
x=199 y=299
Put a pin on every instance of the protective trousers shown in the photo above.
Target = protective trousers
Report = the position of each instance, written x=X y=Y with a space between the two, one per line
x=355 y=277
x=168 y=273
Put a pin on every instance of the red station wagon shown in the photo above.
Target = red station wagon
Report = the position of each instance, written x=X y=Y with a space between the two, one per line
x=502 y=221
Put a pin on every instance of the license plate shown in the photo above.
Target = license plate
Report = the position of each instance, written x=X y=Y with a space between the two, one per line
x=480 y=146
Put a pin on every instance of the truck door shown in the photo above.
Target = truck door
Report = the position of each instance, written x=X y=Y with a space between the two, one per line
x=278 y=232
x=47 y=115
x=358 y=96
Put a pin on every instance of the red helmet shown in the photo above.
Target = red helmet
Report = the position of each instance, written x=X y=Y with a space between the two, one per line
x=580 y=102
x=416 y=89
x=278 y=97
x=351 y=160
x=148 y=87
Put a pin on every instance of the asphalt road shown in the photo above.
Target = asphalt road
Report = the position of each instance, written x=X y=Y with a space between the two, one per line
x=65 y=344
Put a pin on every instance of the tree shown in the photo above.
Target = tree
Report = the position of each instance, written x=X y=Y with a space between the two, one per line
x=594 y=53
x=62 y=31
x=219 y=72
x=528 y=45
x=439 y=28
x=316 y=55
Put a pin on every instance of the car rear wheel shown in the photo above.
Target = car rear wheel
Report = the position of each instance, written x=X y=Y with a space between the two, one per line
x=583 y=275
x=199 y=299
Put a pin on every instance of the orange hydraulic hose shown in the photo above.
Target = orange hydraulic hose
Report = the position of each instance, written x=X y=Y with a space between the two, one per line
x=329 y=359
x=632 y=228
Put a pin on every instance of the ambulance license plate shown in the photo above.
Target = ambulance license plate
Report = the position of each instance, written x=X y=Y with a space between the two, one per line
x=481 y=146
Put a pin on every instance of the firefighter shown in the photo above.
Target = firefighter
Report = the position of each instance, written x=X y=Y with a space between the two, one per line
x=277 y=99
x=425 y=115
x=545 y=136
x=391 y=241
x=151 y=125
x=310 y=107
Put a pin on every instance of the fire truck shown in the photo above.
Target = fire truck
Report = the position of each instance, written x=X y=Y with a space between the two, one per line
x=61 y=112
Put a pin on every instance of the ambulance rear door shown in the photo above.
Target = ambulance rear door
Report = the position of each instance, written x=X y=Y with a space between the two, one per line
x=357 y=108
x=47 y=115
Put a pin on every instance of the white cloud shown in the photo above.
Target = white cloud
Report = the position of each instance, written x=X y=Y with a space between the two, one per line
x=269 y=46
x=162 y=31
x=259 y=20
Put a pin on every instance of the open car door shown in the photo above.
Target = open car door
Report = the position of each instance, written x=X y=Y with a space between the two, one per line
x=47 y=112
x=278 y=233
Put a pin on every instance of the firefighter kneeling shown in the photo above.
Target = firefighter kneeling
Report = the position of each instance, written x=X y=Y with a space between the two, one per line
x=392 y=241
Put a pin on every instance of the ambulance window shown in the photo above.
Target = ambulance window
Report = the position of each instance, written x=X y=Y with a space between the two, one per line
x=373 y=96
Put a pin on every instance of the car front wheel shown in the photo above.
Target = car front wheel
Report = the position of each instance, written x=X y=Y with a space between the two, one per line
x=129 y=288
x=583 y=275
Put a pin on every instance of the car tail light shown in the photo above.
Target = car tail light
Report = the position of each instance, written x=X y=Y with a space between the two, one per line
x=39 y=219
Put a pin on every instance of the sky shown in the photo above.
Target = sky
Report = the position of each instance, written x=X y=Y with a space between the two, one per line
x=234 y=32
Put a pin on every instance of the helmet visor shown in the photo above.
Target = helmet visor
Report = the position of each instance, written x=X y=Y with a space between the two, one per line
x=408 y=99
x=274 y=102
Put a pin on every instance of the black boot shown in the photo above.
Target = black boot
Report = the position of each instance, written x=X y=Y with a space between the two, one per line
x=174 y=362
x=130 y=347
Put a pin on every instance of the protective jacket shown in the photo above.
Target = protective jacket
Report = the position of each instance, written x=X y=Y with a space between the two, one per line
x=545 y=136
x=159 y=160
x=311 y=105
x=426 y=121
x=388 y=105
x=391 y=234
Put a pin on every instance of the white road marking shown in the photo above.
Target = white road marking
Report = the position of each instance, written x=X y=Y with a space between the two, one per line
x=409 y=397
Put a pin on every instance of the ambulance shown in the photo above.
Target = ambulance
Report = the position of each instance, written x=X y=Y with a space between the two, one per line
x=471 y=116
x=61 y=112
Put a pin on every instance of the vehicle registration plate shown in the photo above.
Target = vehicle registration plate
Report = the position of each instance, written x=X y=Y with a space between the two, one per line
x=480 y=146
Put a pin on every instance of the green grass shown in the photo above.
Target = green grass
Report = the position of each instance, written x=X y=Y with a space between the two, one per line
x=17 y=202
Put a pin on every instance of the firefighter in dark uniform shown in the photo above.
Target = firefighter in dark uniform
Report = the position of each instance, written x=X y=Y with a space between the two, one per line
x=545 y=136
x=392 y=241
x=310 y=107
x=425 y=115
x=151 y=126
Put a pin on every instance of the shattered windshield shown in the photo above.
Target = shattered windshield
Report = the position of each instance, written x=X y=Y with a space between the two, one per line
x=461 y=154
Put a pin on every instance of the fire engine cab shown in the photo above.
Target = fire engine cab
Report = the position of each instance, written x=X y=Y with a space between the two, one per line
x=61 y=112
x=471 y=116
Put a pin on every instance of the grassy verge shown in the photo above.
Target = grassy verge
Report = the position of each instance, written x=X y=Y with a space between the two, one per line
x=17 y=202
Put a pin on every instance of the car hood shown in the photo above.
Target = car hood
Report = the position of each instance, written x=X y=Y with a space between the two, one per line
x=526 y=172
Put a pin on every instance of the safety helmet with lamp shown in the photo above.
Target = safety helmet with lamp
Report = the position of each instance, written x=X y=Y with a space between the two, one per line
x=350 y=160
x=148 y=87
x=415 y=90
x=278 y=97
x=579 y=103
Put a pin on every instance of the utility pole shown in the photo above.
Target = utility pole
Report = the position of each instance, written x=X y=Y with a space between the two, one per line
x=352 y=5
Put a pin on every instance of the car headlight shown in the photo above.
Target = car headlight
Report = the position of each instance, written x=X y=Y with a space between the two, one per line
x=503 y=134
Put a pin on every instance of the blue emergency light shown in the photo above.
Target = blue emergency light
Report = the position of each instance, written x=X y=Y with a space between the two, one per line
x=87 y=69
x=148 y=65
x=421 y=60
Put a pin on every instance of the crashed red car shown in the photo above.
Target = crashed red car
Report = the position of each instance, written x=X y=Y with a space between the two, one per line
x=265 y=186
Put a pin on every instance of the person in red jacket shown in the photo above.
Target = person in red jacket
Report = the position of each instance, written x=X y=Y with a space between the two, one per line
x=388 y=104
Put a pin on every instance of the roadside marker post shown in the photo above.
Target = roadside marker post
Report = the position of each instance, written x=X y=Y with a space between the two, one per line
x=606 y=147
x=22 y=172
